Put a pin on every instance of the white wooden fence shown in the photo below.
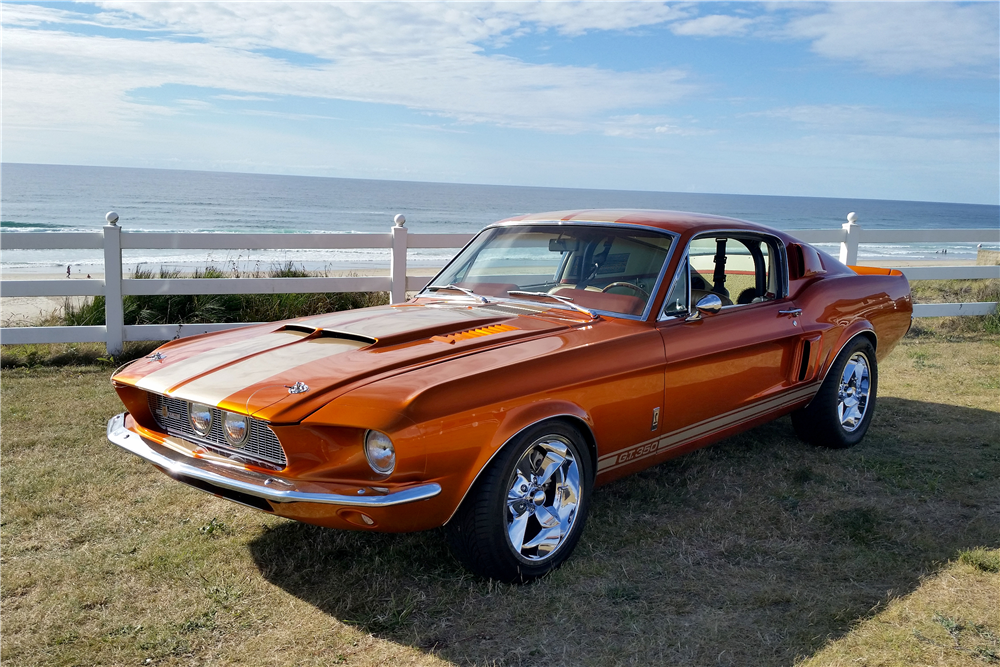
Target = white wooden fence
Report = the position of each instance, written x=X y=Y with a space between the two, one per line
x=114 y=286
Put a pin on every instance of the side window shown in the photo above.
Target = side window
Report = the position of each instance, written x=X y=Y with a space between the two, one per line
x=740 y=270
x=744 y=265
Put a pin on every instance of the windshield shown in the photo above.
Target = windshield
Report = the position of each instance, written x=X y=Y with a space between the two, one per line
x=610 y=269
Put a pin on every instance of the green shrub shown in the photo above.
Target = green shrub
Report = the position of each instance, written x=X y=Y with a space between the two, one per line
x=204 y=308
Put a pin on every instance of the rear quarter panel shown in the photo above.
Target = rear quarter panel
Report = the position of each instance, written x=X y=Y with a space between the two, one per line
x=842 y=305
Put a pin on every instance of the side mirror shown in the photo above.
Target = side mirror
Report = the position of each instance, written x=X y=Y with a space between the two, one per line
x=708 y=305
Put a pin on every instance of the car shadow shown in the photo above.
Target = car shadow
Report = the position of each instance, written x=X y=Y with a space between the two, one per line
x=756 y=550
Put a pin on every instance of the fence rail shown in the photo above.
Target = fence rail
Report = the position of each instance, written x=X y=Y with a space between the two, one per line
x=114 y=286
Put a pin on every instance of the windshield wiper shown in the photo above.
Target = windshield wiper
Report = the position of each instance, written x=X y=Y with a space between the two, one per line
x=463 y=290
x=561 y=299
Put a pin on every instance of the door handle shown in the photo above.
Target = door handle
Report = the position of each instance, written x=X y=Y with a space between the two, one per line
x=794 y=312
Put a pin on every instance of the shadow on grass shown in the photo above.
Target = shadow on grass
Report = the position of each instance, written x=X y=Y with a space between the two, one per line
x=756 y=550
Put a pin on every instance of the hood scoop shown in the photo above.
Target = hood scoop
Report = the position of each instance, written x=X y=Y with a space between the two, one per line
x=327 y=333
x=478 y=332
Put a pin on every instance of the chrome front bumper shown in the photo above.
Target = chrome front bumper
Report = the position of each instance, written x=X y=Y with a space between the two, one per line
x=261 y=485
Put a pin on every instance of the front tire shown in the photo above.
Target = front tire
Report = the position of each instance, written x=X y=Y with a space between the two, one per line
x=839 y=415
x=525 y=513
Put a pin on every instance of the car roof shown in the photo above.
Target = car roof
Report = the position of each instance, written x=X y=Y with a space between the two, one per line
x=680 y=222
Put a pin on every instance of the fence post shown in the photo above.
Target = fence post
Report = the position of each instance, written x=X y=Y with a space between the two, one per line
x=852 y=237
x=114 y=314
x=397 y=270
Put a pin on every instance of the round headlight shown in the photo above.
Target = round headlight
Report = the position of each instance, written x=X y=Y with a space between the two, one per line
x=380 y=452
x=200 y=416
x=237 y=428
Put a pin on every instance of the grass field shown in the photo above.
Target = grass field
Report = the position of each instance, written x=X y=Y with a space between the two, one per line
x=759 y=550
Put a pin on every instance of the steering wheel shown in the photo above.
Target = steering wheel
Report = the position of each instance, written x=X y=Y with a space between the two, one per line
x=634 y=288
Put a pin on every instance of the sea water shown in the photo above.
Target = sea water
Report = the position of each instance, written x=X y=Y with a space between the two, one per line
x=57 y=198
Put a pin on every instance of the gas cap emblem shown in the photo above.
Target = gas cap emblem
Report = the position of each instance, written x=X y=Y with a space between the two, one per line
x=298 y=388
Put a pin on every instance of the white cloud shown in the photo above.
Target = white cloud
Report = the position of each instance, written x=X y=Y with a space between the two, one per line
x=34 y=16
x=715 y=25
x=243 y=98
x=897 y=38
x=636 y=126
x=864 y=120
x=425 y=56
x=570 y=18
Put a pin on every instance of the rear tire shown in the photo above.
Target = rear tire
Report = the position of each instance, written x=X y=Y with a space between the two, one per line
x=839 y=415
x=524 y=515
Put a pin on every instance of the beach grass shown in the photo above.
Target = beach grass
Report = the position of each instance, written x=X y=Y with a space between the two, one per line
x=179 y=309
x=758 y=550
x=958 y=291
x=197 y=309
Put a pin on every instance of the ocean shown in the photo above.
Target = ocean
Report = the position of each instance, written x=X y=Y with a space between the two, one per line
x=57 y=198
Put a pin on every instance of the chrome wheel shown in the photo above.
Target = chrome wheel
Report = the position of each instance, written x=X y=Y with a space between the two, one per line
x=852 y=395
x=842 y=410
x=543 y=493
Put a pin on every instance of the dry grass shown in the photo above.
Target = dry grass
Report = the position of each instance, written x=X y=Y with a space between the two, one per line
x=758 y=550
x=952 y=620
x=955 y=291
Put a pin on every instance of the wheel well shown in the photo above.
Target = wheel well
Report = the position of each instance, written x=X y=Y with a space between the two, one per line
x=867 y=334
x=572 y=420
x=872 y=338
x=588 y=436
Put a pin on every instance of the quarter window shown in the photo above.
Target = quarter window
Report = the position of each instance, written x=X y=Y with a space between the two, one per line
x=677 y=300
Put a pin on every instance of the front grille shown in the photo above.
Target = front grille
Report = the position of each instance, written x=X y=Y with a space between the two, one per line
x=261 y=446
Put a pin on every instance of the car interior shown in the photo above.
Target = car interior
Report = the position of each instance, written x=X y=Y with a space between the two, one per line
x=603 y=268
x=739 y=269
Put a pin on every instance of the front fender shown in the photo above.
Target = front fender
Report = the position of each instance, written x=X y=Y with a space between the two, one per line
x=525 y=416
x=516 y=420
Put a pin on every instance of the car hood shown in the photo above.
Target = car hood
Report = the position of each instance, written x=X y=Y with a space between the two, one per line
x=284 y=371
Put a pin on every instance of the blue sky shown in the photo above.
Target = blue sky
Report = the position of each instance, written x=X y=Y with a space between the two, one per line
x=894 y=100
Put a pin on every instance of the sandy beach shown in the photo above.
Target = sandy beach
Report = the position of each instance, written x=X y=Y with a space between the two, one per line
x=25 y=310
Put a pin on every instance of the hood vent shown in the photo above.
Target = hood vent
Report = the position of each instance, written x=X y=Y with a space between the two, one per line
x=479 y=332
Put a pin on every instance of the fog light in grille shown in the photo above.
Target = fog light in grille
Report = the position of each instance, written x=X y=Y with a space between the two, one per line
x=237 y=428
x=200 y=416
x=380 y=452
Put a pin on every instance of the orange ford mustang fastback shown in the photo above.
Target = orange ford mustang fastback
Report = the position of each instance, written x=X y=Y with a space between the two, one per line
x=557 y=352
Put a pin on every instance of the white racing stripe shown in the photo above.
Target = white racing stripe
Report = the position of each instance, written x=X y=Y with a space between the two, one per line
x=688 y=433
x=214 y=387
x=173 y=374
